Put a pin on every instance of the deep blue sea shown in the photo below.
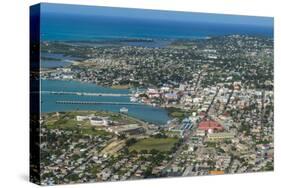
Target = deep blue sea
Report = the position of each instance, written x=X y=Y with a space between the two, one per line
x=82 y=27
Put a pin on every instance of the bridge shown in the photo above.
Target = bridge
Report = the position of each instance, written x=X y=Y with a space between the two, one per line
x=86 y=94
x=97 y=103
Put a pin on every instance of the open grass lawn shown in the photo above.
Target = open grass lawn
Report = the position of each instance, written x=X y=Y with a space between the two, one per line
x=84 y=127
x=160 y=144
x=113 y=147
x=178 y=114
x=94 y=132
x=62 y=124
x=67 y=120
x=126 y=86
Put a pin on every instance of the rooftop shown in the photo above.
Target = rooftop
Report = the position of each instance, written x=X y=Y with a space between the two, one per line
x=209 y=124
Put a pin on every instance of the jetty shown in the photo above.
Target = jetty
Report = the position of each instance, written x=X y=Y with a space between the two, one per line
x=97 y=103
x=86 y=94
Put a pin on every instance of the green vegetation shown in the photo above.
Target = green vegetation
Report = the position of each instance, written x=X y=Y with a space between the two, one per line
x=127 y=86
x=160 y=144
x=172 y=134
x=131 y=141
x=94 y=170
x=176 y=113
x=67 y=121
x=269 y=167
x=61 y=124
x=94 y=132
x=211 y=144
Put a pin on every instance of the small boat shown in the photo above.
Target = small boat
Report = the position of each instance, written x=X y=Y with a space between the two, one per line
x=124 y=110
x=133 y=99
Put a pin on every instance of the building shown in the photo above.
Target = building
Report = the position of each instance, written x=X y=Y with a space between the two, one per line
x=216 y=172
x=67 y=77
x=220 y=136
x=82 y=118
x=171 y=96
x=127 y=129
x=153 y=93
x=200 y=132
x=182 y=87
x=165 y=89
x=65 y=70
x=210 y=125
x=97 y=121
x=186 y=124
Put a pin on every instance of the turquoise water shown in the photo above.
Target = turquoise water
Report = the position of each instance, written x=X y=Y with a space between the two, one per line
x=48 y=101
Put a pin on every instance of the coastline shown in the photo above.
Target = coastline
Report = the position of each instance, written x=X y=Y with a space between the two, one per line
x=137 y=112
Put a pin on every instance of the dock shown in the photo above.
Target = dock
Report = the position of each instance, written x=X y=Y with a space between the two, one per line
x=97 y=103
x=86 y=94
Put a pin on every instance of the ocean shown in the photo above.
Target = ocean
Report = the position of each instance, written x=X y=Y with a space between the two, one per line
x=64 y=27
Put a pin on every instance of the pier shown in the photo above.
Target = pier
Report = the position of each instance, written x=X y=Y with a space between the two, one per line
x=86 y=94
x=97 y=103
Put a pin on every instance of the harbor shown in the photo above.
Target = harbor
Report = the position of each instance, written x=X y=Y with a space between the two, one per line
x=86 y=96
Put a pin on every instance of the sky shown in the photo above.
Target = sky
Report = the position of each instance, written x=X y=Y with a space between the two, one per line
x=155 y=14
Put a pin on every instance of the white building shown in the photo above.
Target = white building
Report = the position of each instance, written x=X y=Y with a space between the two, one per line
x=96 y=121
x=82 y=118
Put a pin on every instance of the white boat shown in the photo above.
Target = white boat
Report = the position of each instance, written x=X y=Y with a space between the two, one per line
x=133 y=99
x=124 y=110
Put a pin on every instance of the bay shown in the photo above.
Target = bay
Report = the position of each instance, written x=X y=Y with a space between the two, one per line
x=146 y=113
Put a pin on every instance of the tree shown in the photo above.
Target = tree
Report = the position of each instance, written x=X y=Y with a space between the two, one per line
x=130 y=141
x=144 y=151
x=122 y=136
x=148 y=172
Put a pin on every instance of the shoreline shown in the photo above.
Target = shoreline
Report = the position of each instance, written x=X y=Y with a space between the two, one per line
x=168 y=109
x=142 y=122
x=129 y=39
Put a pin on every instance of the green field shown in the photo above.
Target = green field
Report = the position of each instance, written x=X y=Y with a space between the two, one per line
x=67 y=120
x=160 y=144
x=176 y=113
x=93 y=132
x=61 y=123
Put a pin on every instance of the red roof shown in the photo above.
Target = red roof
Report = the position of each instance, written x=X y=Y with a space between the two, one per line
x=209 y=124
x=202 y=113
x=226 y=114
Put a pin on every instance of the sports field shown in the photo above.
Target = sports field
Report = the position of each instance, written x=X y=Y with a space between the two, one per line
x=160 y=144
